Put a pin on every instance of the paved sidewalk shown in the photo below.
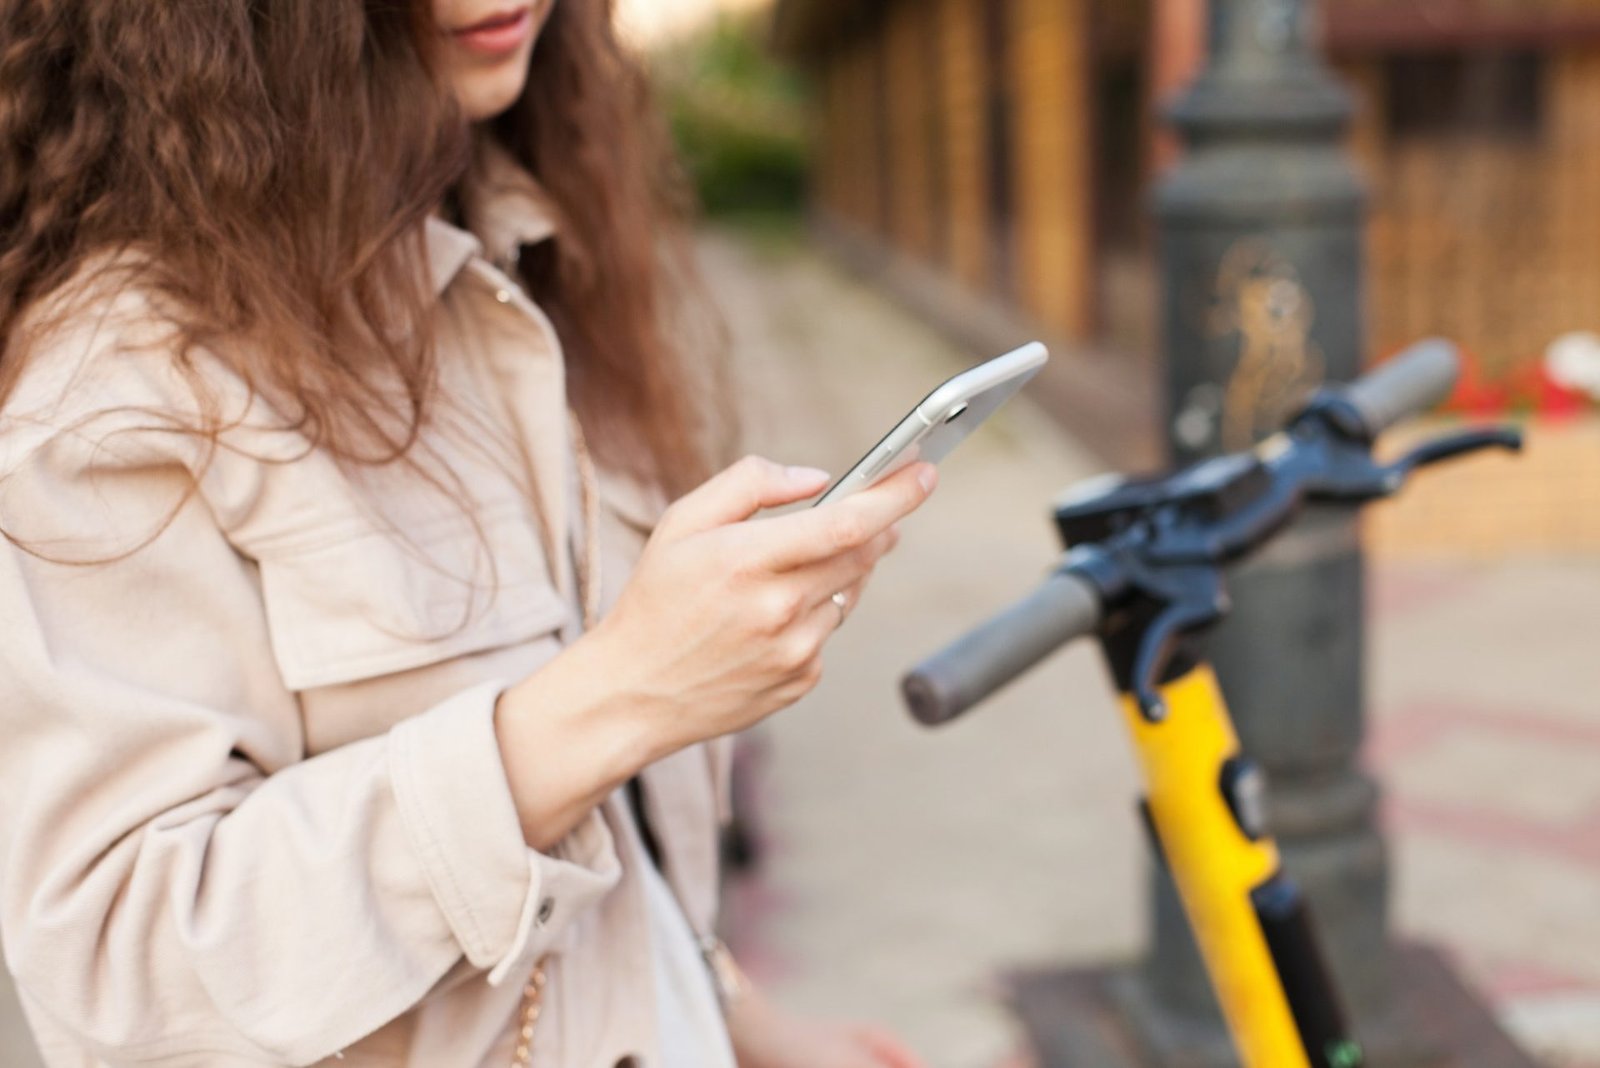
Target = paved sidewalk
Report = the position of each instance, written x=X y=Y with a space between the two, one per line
x=904 y=869
x=1487 y=735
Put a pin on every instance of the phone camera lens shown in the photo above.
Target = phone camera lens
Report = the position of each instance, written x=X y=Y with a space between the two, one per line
x=959 y=411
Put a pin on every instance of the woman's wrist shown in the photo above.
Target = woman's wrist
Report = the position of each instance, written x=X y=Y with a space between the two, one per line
x=569 y=735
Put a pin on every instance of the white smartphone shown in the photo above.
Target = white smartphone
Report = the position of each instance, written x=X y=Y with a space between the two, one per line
x=937 y=425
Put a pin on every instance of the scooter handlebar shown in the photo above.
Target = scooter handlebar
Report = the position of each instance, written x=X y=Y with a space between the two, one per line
x=1067 y=606
x=963 y=675
x=1411 y=383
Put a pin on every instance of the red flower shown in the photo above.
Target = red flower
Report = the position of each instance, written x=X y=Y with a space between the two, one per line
x=1557 y=401
x=1475 y=395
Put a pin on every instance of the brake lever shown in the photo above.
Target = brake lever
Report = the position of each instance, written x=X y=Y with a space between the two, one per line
x=1351 y=475
x=1192 y=599
x=1450 y=446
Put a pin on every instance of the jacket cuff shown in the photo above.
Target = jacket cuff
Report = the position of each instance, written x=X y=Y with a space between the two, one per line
x=505 y=903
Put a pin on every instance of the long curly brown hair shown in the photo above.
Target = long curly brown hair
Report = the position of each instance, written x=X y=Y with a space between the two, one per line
x=272 y=163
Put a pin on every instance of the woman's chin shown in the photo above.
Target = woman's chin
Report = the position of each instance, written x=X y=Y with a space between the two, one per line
x=485 y=95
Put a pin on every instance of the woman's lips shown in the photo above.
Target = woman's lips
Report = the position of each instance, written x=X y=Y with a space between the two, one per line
x=499 y=34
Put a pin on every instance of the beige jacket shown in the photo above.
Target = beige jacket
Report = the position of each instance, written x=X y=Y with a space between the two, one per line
x=251 y=806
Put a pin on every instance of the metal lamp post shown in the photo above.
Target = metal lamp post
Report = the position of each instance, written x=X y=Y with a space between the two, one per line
x=1262 y=273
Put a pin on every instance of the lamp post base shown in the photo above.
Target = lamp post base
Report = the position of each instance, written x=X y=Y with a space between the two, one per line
x=1105 y=1019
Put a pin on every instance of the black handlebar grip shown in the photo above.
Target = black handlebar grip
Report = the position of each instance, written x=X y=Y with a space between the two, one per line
x=953 y=681
x=1410 y=384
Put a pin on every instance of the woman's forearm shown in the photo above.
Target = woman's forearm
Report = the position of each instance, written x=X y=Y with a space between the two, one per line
x=570 y=735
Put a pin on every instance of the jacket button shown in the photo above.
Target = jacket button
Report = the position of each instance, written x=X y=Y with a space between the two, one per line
x=547 y=908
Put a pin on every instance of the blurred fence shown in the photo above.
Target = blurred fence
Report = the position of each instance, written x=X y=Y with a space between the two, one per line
x=1009 y=146
x=1486 y=172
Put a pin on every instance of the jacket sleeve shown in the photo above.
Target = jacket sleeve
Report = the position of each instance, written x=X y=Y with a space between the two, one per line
x=176 y=881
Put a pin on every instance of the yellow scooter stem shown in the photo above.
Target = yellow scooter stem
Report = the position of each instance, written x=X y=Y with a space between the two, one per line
x=1205 y=808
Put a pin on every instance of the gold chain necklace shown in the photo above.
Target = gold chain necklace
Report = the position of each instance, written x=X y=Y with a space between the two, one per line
x=587 y=566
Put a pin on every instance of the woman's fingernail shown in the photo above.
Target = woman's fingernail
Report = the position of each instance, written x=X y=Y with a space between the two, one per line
x=929 y=477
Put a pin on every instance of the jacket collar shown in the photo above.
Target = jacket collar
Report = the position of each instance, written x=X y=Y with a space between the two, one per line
x=504 y=208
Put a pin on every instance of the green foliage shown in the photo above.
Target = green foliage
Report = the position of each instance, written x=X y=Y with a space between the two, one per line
x=737 y=117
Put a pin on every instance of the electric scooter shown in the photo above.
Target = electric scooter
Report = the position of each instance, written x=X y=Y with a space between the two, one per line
x=1145 y=574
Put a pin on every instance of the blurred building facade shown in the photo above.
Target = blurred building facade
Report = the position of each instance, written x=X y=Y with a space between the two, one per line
x=1008 y=146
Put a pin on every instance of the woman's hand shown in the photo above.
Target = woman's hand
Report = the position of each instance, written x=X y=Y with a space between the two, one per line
x=722 y=624
x=765 y=1036
x=725 y=620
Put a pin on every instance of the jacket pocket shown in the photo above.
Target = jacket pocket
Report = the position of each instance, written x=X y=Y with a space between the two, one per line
x=361 y=602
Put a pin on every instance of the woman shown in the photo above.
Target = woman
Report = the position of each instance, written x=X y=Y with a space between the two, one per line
x=332 y=727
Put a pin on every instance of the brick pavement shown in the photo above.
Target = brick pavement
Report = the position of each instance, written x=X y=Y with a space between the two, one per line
x=1487 y=734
